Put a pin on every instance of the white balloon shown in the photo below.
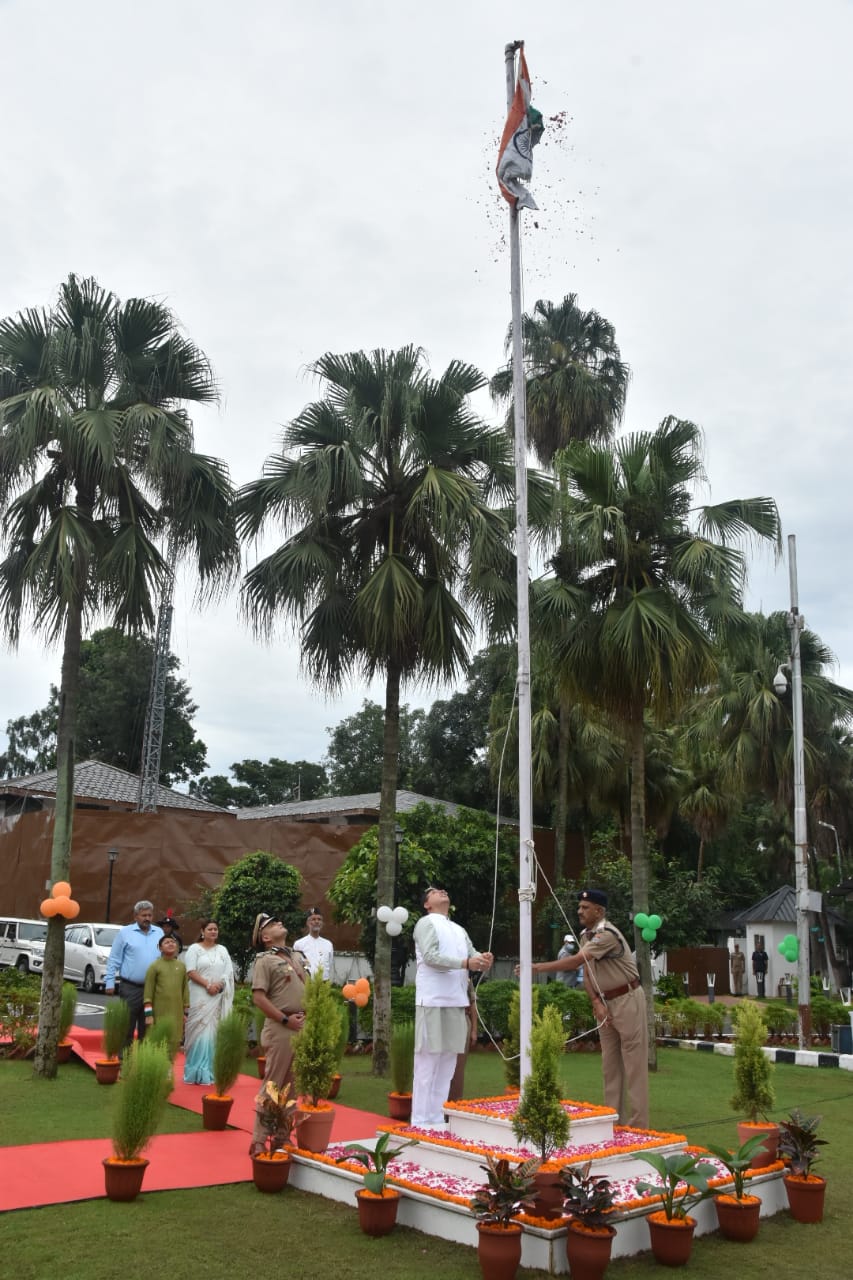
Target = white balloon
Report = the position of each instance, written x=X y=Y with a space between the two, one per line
x=384 y=914
x=400 y=914
x=393 y=927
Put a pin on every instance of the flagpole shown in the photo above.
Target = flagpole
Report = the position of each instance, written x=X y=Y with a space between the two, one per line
x=525 y=779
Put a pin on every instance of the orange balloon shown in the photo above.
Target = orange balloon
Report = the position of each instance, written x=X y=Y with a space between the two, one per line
x=361 y=998
x=62 y=904
x=73 y=910
x=48 y=907
x=348 y=991
x=363 y=985
x=62 y=889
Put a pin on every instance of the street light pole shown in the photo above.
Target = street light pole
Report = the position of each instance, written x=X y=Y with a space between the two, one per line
x=834 y=831
x=796 y=622
x=112 y=856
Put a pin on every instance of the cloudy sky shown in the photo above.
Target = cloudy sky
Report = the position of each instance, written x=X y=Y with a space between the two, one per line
x=295 y=178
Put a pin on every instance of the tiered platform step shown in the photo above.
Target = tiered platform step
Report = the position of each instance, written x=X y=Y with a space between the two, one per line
x=438 y=1176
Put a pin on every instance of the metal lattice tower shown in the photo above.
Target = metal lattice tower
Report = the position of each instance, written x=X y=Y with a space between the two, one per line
x=155 y=715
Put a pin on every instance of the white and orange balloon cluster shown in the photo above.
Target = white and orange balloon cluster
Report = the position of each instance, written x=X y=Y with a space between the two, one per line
x=60 y=902
x=393 y=918
x=358 y=992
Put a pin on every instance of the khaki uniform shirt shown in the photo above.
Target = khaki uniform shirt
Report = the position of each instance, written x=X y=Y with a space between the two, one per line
x=281 y=978
x=608 y=963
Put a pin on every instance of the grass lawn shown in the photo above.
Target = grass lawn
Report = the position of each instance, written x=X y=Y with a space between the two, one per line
x=234 y=1231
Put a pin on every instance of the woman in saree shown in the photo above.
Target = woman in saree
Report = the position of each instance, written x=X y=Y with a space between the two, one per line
x=211 y=976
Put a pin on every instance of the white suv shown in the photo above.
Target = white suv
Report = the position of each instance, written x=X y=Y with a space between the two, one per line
x=87 y=950
x=22 y=944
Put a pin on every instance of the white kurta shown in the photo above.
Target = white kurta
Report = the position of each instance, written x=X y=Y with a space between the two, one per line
x=441 y=1024
x=319 y=955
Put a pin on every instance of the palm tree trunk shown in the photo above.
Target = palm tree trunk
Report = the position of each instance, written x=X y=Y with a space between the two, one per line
x=561 y=813
x=700 y=862
x=640 y=868
x=44 y=1064
x=385 y=869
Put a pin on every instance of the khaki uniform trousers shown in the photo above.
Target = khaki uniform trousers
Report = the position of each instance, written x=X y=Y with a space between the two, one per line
x=277 y=1044
x=624 y=1058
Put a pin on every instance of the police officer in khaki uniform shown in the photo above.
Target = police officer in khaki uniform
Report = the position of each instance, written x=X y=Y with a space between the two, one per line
x=278 y=985
x=612 y=983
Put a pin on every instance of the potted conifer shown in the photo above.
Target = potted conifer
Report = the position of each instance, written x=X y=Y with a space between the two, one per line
x=754 y=1094
x=143 y=1092
x=540 y=1118
x=114 y=1034
x=402 y=1070
x=315 y=1060
x=229 y=1052
x=66 y=1018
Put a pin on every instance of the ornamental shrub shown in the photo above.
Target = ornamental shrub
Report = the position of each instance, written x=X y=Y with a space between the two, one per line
x=540 y=1118
x=142 y=1094
x=754 y=1094
x=315 y=1053
x=229 y=1051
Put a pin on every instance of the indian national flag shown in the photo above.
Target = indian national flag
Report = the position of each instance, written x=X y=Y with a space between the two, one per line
x=522 y=131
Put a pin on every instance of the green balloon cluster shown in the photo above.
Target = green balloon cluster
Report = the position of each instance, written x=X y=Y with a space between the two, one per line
x=648 y=925
x=789 y=947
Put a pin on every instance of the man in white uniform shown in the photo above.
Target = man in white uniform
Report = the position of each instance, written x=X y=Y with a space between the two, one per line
x=317 y=954
x=445 y=956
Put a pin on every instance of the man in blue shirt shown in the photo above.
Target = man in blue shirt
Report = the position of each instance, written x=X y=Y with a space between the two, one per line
x=134 y=949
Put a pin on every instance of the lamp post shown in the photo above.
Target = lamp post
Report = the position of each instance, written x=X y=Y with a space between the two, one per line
x=834 y=831
x=111 y=856
x=796 y=622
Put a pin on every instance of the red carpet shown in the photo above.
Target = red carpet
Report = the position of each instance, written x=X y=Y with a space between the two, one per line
x=60 y=1172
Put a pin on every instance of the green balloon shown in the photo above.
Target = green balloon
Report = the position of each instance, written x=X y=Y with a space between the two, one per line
x=655 y=922
x=649 y=935
x=641 y=920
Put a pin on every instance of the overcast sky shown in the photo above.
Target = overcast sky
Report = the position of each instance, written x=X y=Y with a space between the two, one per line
x=293 y=179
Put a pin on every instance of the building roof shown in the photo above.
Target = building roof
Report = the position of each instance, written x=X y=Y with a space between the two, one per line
x=366 y=805
x=96 y=781
x=779 y=907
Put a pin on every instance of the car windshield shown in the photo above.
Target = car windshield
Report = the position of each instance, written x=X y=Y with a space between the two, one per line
x=32 y=932
x=105 y=936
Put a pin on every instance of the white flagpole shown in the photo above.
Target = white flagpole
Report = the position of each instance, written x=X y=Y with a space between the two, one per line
x=525 y=779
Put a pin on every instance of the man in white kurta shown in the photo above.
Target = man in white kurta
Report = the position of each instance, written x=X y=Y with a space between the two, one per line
x=445 y=956
x=317 y=954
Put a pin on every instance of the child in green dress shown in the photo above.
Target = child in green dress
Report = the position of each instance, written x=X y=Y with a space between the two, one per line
x=167 y=995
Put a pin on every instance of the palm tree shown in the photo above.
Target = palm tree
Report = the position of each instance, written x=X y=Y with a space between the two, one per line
x=655 y=589
x=97 y=467
x=385 y=490
x=576 y=385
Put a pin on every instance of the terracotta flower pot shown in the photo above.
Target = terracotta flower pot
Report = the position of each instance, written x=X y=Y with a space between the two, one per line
x=123 y=1178
x=805 y=1196
x=215 y=1110
x=63 y=1051
x=588 y=1250
x=334 y=1087
x=314 y=1128
x=738 y=1219
x=768 y=1150
x=377 y=1214
x=548 y=1200
x=399 y=1106
x=270 y=1171
x=262 y=1065
x=671 y=1238
x=106 y=1070
x=499 y=1250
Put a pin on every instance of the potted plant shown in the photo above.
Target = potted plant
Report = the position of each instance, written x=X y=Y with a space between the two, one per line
x=66 y=1018
x=738 y=1214
x=229 y=1051
x=377 y=1203
x=145 y=1087
x=540 y=1118
x=671 y=1227
x=588 y=1201
x=508 y=1191
x=402 y=1070
x=315 y=1060
x=114 y=1034
x=798 y=1144
x=343 y=1041
x=754 y=1094
x=277 y=1110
